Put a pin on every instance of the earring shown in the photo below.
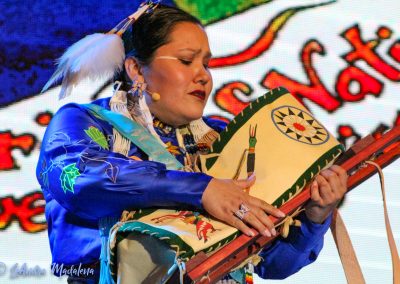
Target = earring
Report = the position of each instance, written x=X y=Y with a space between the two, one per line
x=138 y=88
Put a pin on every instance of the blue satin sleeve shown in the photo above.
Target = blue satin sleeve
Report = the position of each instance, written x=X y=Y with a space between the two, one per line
x=93 y=182
x=287 y=256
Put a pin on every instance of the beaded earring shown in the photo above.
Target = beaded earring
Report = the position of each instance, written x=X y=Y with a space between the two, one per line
x=139 y=87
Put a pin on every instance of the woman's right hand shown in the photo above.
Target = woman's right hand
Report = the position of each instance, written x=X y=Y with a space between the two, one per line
x=223 y=197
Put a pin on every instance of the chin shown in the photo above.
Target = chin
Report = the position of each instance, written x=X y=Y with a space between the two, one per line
x=196 y=115
x=188 y=112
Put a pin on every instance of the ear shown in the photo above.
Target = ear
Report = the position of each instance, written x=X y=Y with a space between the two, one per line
x=132 y=68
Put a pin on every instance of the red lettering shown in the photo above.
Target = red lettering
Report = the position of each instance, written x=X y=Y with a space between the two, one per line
x=347 y=135
x=262 y=43
x=366 y=51
x=226 y=99
x=43 y=118
x=394 y=51
x=366 y=84
x=379 y=130
x=315 y=90
x=382 y=128
x=23 y=210
x=9 y=142
x=397 y=119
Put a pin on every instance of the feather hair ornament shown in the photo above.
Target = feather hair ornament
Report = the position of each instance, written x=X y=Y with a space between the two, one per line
x=96 y=56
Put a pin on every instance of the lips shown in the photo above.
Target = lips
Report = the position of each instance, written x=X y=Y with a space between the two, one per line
x=199 y=93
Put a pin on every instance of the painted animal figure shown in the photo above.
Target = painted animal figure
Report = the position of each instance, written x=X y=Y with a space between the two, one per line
x=182 y=215
x=202 y=228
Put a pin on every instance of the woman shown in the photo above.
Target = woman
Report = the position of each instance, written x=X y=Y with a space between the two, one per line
x=88 y=171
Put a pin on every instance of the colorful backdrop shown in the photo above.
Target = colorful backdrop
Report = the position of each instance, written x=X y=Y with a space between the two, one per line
x=340 y=58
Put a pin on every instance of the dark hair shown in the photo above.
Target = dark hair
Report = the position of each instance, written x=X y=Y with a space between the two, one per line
x=152 y=30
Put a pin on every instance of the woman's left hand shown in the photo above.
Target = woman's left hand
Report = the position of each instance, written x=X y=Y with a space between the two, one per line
x=327 y=190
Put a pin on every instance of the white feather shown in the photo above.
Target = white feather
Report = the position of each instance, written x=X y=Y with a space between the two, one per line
x=100 y=60
x=64 y=62
x=96 y=56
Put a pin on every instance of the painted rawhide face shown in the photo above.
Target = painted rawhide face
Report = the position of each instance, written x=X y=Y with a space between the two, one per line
x=299 y=125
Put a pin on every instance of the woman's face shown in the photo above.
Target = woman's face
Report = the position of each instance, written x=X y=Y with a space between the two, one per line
x=179 y=73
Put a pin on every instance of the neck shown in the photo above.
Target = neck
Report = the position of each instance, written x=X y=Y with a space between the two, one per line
x=163 y=116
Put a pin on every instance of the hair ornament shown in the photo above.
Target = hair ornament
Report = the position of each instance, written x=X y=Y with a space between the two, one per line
x=96 y=56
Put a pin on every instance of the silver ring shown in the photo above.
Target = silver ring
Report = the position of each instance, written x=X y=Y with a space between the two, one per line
x=243 y=210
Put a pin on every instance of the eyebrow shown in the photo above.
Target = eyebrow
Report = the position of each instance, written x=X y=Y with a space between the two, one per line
x=196 y=51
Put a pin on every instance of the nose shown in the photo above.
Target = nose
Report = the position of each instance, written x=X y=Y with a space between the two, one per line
x=203 y=75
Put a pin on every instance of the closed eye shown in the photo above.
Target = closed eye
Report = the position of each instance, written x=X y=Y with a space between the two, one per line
x=185 y=62
x=188 y=62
